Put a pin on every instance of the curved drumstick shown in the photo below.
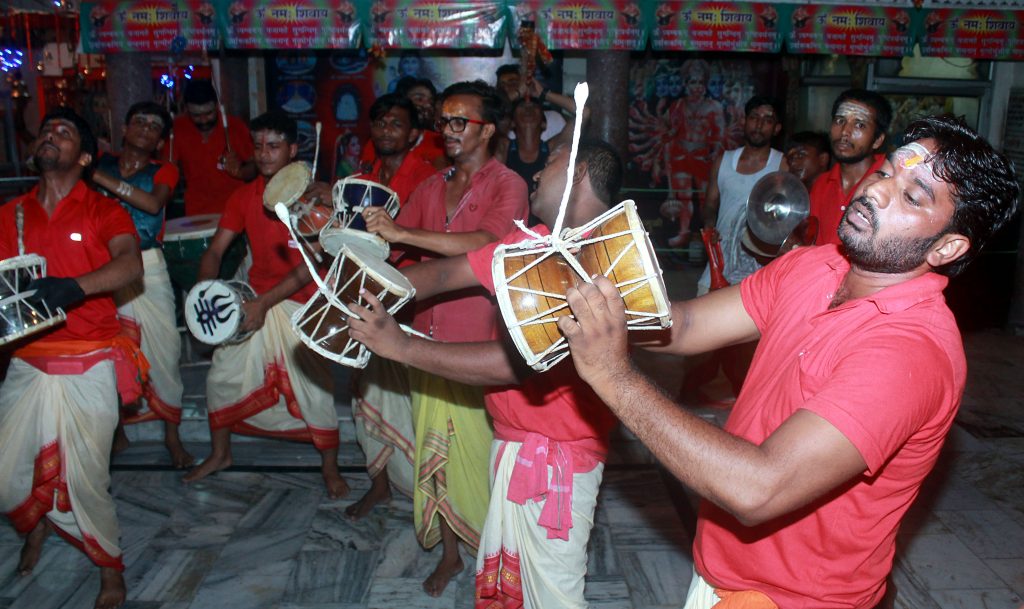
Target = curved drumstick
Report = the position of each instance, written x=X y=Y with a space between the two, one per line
x=316 y=151
x=224 y=121
x=579 y=95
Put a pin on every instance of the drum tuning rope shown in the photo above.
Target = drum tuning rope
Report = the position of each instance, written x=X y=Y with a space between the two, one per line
x=282 y=214
x=580 y=95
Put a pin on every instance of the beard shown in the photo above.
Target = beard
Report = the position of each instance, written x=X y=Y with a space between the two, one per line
x=852 y=157
x=890 y=255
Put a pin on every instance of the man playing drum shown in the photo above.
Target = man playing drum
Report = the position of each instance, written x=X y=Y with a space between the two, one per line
x=58 y=405
x=270 y=384
x=214 y=151
x=455 y=211
x=525 y=555
x=146 y=308
x=854 y=386
x=381 y=405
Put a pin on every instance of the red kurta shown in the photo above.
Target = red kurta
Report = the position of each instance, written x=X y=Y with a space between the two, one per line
x=828 y=201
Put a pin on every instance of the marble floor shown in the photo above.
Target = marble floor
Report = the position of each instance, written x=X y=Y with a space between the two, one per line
x=263 y=534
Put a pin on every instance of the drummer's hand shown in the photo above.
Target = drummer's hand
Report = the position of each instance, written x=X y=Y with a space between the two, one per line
x=376 y=328
x=318 y=190
x=597 y=335
x=255 y=314
x=232 y=164
x=378 y=221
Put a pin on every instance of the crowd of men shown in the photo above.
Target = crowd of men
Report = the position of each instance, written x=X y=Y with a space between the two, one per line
x=803 y=489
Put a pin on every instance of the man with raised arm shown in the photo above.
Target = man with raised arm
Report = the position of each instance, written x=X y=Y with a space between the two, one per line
x=854 y=386
x=270 y=384
x=58 y=404
x=551 y=432
x=143 y=186
x=457 y=210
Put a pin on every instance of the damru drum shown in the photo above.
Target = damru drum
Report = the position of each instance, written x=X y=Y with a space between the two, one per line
x=322 y=323
x=20 y=314
x=531 y=279
x=213 y=311
x=351 y=197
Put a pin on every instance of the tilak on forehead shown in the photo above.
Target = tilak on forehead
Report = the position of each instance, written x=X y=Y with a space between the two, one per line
x=911 y=155
x=268 y=135
x=150 y=118
x=854 y=110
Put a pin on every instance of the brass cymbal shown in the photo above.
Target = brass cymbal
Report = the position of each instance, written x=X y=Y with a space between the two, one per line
x=777 y=203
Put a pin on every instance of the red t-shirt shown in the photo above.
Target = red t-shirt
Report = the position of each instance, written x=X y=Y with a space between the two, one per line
x=828 y=200
x=495 y=198
x=429 y=148
x=74 y=241
x=411 y=173
x=274 y=252
x=207 y=188
x=556 y=403
x=888 y=372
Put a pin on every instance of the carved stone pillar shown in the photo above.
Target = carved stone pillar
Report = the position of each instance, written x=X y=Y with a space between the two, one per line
x=608 y=78
x=129 y=81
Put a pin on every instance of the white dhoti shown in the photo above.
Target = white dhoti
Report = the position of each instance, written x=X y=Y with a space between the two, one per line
x=382 y=410
x=146 y=311
x=519 y=564
x=273 y=385
x=56 y=432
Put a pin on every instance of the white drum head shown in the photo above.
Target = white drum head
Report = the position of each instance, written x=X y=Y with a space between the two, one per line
x=287 y=185
x=377 y=268
x=191 y=227
x=213 y=311
x=333 y=239
x=351 y=196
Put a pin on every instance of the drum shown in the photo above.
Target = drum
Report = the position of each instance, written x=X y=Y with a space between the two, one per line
x=287 y=186
x=350 y=197
x=322 y=323
x=19 y=315
x=532 y=278
x=213 y=311
x=185 y=240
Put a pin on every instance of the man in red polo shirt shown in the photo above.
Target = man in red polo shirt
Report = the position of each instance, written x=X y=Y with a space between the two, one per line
x=536 y=536
x=58 y=404
x=213 y=166
x=860 y=119
x=381 y=406
x=854 y=386
x=269 y=384
x=455 y=211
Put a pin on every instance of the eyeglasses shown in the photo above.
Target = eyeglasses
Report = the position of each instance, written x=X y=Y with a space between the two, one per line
x=457 y=123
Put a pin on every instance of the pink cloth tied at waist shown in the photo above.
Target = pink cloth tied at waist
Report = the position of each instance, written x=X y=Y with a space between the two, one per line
x=529 y=480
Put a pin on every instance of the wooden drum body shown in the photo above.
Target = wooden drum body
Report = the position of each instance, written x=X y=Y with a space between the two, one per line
x=531 y=280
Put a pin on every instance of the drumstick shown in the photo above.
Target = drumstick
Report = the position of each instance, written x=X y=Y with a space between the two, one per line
x=224 y=121
x=316 y=151
x=579 y=95
x=282 y=214
x=19 y=222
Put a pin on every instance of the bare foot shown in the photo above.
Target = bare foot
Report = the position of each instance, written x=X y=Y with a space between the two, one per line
x=445 y=571
x=33 y=547
x=112 y=590
x=213 y=464
x=180 y=458
x=378 y=493
x=336 y=485
x=121 y=441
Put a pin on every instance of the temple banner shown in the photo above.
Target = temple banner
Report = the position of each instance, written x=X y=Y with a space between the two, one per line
x=426 y=24
x=850 y=30
x=580 y=25
x=715 y=26
x=290 y=24
x=979 y=34
x=160 y=26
